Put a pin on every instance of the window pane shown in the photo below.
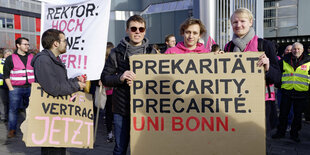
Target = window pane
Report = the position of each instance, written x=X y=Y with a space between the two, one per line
x=287 y=22
x=25 y=23
x=269 y=13
x=287 y=2
x=269 y=4
x=4 y=3
x=2 y=39
x=10 y=40
x=32 y=42
x=25 y=6
x=269 y=23
x=32 y=26
x=290 y=11
x=9 y=23
x=38 y=9
x=33 y=7
x=19 y=5
x=282 y=14
x=2 y=22
x=12 y=3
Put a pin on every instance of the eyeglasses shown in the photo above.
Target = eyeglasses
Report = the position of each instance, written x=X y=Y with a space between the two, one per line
x=64 y=40
x=26 y=44
x=134 y=29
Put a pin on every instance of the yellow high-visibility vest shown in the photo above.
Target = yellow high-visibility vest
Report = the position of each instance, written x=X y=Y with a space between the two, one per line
x=298 y=79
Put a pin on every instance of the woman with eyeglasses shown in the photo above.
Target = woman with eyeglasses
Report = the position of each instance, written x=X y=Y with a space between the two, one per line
x=191 y=30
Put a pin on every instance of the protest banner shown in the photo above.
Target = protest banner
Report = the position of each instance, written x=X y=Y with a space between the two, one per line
x=197 y=104
x=64 y=121
x=85 y=24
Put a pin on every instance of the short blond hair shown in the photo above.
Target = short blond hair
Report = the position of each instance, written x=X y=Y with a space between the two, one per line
x=242 y=11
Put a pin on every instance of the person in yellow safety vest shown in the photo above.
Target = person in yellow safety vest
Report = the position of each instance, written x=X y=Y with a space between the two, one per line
x=4 y=91
x=295 y=90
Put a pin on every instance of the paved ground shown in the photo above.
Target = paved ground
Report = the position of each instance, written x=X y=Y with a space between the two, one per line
x=286 y=146
x=16 y=146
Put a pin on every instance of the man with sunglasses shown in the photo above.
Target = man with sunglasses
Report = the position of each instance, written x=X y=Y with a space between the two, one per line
x=18 y=75
x=117 y=74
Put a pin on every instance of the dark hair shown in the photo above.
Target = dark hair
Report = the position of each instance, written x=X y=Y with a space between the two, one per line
x=110 y=45
x=168 y=37
x=156 y=47
x=192 y=21
x=135 y=18
x=215 y=47
x=49 y=37
x=1 y=52
x=19 y=41
x=108 y=51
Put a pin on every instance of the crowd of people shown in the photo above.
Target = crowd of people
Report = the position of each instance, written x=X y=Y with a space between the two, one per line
x=289 y=74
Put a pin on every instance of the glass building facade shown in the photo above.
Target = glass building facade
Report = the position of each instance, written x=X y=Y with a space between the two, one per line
x=20 y=18
x=285 y=22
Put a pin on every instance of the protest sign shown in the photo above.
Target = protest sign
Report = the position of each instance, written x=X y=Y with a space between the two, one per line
x=85 y=24
x=197 y=104
x=64 y=121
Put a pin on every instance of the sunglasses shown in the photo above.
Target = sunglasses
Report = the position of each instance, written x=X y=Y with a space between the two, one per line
x=134 y=29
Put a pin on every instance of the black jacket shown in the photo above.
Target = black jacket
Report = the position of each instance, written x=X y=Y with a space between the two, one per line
x=273 y=76
x=289 y=58
x=51 y=74
x=116 y=64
